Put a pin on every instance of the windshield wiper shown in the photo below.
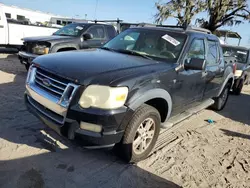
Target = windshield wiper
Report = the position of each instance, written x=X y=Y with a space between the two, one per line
x=65 y=35
x=130 y=52
x=106 y=48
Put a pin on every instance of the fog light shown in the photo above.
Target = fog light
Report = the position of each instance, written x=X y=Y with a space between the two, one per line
x=91 y=127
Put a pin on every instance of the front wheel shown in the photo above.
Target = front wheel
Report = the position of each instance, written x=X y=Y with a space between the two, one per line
x=221 y=101
x=141 y=134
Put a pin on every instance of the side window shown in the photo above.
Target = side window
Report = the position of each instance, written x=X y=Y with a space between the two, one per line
x=197 y=49
x=97 y=32
x=111 y=31
x=212 y=55
x=20 y=17
x=8 y=15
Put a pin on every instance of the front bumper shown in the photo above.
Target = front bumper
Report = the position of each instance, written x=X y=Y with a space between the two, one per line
x=110 y=135
x=26 y=58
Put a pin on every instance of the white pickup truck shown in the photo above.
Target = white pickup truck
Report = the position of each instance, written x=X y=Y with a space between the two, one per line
x=12 y=31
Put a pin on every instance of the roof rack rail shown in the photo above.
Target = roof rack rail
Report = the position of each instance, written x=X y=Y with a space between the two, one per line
x=117 y=20
x=187 y=28
x=171 y=26
x=199 y=29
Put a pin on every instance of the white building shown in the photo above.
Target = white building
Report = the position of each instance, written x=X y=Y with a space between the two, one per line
x=17 y=13
x=35 y=16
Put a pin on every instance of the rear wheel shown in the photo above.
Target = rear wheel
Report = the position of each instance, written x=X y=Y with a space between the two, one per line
x=141 y=134
x=221 y=101
x=237 y=89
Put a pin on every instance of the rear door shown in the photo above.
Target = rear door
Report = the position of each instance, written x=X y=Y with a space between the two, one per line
x=99 y=37
x=214 y=69
x=3 y=27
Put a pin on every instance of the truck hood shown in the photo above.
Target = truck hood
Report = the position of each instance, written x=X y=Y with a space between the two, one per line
x=82 y=65
x=48 y=38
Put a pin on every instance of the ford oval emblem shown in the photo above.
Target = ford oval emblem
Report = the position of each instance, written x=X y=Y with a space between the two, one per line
x=46 y=82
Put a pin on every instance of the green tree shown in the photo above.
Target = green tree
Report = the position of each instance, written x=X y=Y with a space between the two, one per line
x=220 y=12
x=225 y=13
x=182 y=10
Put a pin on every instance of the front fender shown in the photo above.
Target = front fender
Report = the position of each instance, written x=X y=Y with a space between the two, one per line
x=138 y=99
x=58 y=46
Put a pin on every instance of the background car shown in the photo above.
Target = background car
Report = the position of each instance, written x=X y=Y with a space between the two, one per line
x=240 y=57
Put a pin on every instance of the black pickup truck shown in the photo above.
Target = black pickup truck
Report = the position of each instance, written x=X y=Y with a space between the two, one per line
x=240 y=56
x=74 y=36
x=121 y=93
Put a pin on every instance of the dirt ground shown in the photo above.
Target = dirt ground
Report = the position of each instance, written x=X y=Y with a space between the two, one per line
x=201 y=154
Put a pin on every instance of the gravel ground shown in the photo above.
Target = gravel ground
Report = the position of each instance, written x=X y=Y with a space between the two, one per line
x=202 y=155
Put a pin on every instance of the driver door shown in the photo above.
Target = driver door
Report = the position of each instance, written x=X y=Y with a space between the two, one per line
x=99 y=37
x=190 y=84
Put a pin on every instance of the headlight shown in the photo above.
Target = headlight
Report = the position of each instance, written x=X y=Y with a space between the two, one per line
x=31 y=74
x=40 y=50
x=103 y=97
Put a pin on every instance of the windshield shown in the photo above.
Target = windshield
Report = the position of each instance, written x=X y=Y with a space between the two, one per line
x=70 y=30
x=239 y=54
x=155 y=44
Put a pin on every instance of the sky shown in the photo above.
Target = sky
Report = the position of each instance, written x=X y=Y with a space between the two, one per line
x=127 y=10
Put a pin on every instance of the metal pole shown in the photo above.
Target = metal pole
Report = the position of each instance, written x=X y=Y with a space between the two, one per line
x=96 y=4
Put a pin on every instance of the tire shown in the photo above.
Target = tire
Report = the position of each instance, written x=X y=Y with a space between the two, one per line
x=27 y=66
x=221 y=101
x=144 y=117
x=237 y=90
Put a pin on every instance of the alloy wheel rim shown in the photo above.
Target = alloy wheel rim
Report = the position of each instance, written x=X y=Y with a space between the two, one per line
x=144 y=136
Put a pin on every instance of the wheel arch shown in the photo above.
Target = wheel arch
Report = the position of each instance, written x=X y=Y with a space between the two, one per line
x=157 y=98
x=60 y=46
x=66 y=49
x=229 y=79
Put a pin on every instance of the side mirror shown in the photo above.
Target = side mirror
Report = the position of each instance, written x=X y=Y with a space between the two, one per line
x=195 y=64
x=87 y=36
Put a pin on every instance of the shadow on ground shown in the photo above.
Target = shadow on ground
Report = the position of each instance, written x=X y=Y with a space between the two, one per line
x=76 y=168
x=235 y=134
x=31 y=159
x=237 y=108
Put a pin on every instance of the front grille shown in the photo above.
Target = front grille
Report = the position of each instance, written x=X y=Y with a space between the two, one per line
x=45 y=111
x=49 y=93
x=55 y=84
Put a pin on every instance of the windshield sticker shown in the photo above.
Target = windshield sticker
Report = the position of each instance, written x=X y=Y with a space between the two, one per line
x=240 y=52
x=171 y=40
x=79 y=28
